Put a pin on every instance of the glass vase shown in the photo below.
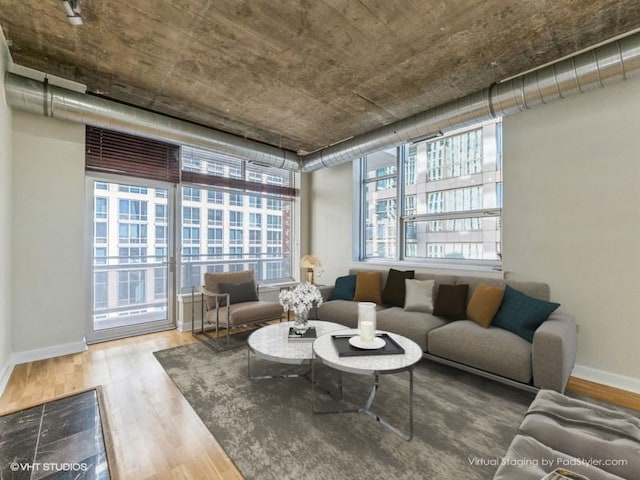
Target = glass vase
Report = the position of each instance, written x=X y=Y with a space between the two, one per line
x=301 y=323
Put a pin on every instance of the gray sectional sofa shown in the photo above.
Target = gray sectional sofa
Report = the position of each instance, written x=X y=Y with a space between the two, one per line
x=546 y=363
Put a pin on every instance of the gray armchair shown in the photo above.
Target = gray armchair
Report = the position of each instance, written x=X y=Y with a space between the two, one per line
x=230 y=299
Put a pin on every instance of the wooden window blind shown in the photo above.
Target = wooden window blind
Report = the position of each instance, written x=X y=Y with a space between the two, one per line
x=120 y=153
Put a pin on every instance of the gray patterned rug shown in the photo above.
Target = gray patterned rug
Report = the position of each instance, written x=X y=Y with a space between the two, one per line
x=267 y=428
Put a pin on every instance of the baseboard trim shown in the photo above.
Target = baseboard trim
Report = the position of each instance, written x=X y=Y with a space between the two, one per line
x=48 y=352
x=609 y=379
x=5 y=375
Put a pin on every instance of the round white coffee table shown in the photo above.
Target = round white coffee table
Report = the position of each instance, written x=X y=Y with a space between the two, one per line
x=375 y=365
x=272 y=343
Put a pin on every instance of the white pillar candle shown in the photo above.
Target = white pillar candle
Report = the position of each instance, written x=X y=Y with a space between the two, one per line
x=366 y=313
x=367 y=332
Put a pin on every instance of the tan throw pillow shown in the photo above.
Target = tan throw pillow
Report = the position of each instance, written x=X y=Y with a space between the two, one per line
x=419 y=296
x=484 y=304
x=368 y=287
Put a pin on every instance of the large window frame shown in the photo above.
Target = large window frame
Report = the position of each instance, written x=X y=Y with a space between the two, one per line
x=438 y=202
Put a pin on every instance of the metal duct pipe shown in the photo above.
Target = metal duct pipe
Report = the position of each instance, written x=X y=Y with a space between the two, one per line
x=613 y=62
x=37 y=97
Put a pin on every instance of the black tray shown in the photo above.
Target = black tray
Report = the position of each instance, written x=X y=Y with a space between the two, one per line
x=345 y=349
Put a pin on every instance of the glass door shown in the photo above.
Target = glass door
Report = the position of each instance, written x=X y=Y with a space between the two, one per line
x=131 y=267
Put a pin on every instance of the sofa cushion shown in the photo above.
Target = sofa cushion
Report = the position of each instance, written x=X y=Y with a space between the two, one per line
x=393 y=293
x=239 y=292
x=413 y=325
x=492 y=349
x=344 y=312
x=451 y=302
x=522 y=314
x=344 y=288
x=419 y=297
x=368 y=287
x=484 y=304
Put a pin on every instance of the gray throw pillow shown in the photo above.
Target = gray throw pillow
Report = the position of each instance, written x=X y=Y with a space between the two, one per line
x=419 y=295
x=239 y=292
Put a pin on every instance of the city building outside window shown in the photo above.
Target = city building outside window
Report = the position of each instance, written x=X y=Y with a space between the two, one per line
x=451 y=194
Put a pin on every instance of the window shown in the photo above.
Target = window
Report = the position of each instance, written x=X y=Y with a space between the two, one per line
x=191 y=235
x=161 y=235
x=238 y=196
x=100 y=256
x=452 y=199
x=131 y=287
x=100 y=290
x=161 y=213
x=235 y=219
x=191 y=194
x=132 y=189
x=160 y=283
x=255 y=220
x=235 y=236
x=214 y=235
x=255 y=237
x=214 y=197
x=135 y=233
x=235 y=199
x=274 y=221
x=214 y=217
x=274 y=204
x=100 y=232
x=100 y=186
x=132 y=209
x=191 y=215
x=255 y=201
x=132 y=254
x=101 y=207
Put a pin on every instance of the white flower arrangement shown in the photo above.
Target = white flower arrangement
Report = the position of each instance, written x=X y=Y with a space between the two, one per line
x=301 y=299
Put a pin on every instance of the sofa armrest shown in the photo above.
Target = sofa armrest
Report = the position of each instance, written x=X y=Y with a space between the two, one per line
x=554 y=352
x=325 y=291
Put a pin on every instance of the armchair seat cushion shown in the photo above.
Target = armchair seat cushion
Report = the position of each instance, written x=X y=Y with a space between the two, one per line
x=247 y=313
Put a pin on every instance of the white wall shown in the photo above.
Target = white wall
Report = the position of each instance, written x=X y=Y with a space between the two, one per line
x=571 y=216
x=331 y=215
x=49 y=272
x=5 y=222
x=571 y=219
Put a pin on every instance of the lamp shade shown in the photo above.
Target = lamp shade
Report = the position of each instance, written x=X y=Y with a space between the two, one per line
x=310 y=261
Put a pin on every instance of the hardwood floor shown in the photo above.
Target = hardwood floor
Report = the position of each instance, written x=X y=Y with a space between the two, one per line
x=155 y=432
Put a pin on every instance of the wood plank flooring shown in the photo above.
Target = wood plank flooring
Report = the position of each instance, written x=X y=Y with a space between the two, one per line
x=155 y=432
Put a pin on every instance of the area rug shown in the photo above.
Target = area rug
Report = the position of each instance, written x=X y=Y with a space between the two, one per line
x=462 y=425
x=236 y=340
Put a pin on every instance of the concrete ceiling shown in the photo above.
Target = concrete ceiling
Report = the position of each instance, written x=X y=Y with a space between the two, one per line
x=302 y=74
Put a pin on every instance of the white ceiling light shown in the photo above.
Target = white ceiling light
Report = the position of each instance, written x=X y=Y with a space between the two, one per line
x=72 y=7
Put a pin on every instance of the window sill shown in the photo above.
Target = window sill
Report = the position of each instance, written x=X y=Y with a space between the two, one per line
x=438 y=268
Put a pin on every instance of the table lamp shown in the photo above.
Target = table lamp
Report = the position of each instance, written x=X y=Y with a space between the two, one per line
x=310 y=262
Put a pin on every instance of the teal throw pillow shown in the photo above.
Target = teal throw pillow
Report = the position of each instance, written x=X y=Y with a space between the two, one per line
x=344 y=289
x=522 y=314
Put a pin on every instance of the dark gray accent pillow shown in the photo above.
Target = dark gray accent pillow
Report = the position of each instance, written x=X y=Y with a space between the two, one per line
x=394 y=290
x=239 y=292
x=451 y=302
